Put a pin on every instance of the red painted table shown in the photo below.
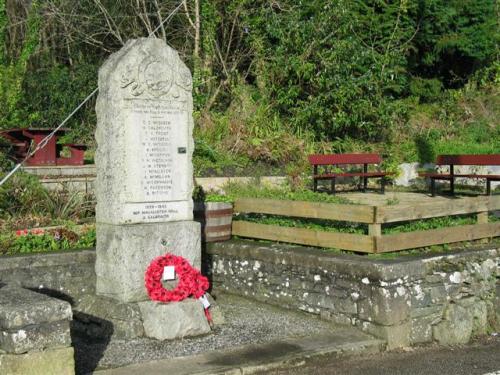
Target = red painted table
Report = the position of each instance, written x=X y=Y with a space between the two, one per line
x=22 y=140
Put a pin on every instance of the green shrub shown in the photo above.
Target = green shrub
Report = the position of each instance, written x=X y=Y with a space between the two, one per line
x=318 y=72
x=428 y=90
x=21 y=194
x=67 y=204
x=425 y=149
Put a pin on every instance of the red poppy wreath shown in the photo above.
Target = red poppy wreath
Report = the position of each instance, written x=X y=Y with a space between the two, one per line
x=191 y=281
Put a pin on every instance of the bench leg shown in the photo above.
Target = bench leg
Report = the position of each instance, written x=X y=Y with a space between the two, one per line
x=332 y=182
x=365 y=184
x=315 y=184
x=452 y=186
x=433 y=187
x=488 y=186
x=382 y=185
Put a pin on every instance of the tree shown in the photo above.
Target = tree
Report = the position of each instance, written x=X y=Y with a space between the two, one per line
x=455 y=39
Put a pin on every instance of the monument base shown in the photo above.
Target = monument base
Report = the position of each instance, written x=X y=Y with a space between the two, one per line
x=167 y=321
x=123 y=253
x=102 y=317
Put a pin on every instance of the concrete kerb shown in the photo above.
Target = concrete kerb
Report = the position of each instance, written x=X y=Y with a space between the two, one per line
x=250 y=359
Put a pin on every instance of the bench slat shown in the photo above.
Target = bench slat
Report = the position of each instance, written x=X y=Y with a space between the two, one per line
x=352 y=174
x=344 y=159
x=446 y=175
x=493 y=159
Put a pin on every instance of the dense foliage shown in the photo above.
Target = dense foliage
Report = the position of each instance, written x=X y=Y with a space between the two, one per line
x=274 y=80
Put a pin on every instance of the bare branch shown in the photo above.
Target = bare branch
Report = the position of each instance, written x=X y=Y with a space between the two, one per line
x=113 y=29
x=188 y=16
x=160 y=20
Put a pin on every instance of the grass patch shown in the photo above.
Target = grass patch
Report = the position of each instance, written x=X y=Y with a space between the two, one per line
x=256 y=190
x=427 y=224
x=313 y=224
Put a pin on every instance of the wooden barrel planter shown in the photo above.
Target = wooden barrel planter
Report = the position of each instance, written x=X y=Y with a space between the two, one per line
x=215 y=219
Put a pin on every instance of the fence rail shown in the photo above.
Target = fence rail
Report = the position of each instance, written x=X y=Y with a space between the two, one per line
x=375 y=216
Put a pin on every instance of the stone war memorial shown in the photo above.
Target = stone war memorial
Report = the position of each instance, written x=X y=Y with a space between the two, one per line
x=145 y=180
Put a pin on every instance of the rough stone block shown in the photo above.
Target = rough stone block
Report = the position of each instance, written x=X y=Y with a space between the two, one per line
x=215 y=311
x=421 y=328
x=69 y=273
x=435 y=310
x=104 y=317
x=49 y=362
x=420 y=298
x=336 y=318
x=496 y=305
x=174 y=320
x=439 y=294
x=397 y=336
x=22 y=307
x=386 y=306
x=340 y=305
x=456 y=328
x=36 y=337
x=125 y=251
x=479 y=311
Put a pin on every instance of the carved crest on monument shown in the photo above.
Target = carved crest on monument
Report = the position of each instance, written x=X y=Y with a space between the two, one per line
x=154 y=77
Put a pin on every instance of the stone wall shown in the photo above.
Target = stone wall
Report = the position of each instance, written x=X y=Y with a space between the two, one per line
x=408 y=175
x=34 y=333
x=66 y=275
x=447 y=299
x=408 y=301
x=82 y=178
x=70 y=276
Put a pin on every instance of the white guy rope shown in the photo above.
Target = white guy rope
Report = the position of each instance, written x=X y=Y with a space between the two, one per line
x=44 y=141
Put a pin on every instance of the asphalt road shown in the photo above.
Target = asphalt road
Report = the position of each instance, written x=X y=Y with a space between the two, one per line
x=479 y=358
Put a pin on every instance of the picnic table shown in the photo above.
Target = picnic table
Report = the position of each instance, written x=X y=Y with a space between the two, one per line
x=24 y=140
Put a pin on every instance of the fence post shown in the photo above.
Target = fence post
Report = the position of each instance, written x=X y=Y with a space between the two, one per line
x=375 y=230
x=482 y=217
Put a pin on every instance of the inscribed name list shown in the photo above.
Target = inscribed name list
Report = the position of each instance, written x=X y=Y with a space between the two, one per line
x=157 y=160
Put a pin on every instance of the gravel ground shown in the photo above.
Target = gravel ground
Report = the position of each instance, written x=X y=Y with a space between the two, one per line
x=247 y=322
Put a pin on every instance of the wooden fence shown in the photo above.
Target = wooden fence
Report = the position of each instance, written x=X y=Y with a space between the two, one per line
x=375 y=217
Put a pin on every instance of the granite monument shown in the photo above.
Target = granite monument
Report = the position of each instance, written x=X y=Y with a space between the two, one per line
x=144 y=168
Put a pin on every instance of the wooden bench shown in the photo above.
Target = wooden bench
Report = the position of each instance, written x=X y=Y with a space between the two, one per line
x=452 y=160
x=329 y=164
